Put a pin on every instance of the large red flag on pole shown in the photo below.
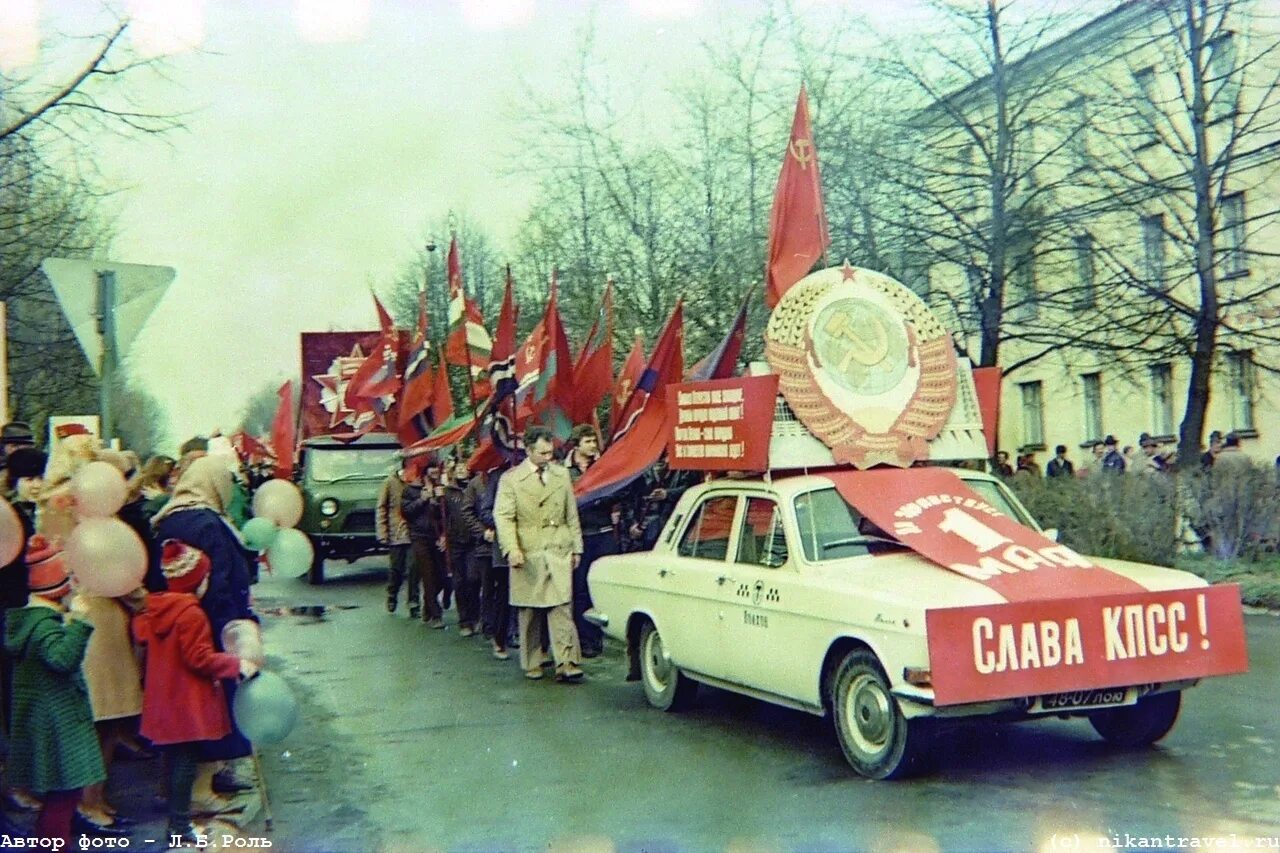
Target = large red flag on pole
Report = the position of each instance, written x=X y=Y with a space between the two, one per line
x=627 y=379
x=377 y=376
x=468 y=343
x=441 y=395
x=284 y=432
x=419 y=382
x=544 y=371
x=798 y=233
x=666 y=364
x=593 y=370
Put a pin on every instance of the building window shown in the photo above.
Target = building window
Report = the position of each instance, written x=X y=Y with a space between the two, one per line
x=1021 y=300
x=1153 y=250
x=1232 y=240
x=1092 y=406
x=1148 y=110
x=1222 y=79
x=1161 y=399
x=1032 y=414
x=1241 y=371
x=1078 y=110
x=1088 y=296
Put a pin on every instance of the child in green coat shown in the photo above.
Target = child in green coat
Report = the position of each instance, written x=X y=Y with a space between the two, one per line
x=53 y=748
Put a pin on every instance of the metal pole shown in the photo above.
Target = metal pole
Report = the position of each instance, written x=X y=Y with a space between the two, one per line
x=106 y=316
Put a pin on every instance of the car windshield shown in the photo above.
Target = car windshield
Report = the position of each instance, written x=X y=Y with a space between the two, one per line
x=997 y=495
x=830 y=529
x=350 y=463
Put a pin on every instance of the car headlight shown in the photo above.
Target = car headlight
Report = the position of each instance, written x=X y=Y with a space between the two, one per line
x=328 y=506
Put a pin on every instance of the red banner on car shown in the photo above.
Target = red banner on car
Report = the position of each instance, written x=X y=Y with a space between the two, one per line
x=722 y=424
x=1043 y=648
x=932 y=512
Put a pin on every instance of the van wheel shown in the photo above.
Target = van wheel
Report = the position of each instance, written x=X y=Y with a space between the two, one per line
x=1141 y=724
x=315 y=574
x=665 y=686
x=877 y=740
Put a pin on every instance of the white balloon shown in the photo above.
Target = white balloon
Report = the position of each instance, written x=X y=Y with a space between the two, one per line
x=99 y=488
x=291 y=553
x=280 y=501
x=106 y=557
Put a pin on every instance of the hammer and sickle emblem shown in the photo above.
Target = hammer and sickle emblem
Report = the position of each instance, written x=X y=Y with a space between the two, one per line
x=529 y=352
x=866 y=351
x=624 y=389
x=802 y=150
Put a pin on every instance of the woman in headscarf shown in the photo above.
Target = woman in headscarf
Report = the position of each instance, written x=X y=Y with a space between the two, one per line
x=197 y=515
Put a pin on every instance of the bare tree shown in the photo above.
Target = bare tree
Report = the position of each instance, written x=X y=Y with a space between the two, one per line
x=1190 y=133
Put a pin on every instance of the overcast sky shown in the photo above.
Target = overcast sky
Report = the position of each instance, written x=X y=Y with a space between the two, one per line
x=325 y=136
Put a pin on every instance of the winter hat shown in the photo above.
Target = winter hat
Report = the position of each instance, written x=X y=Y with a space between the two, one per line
x=69 y=429
x=46 y=576
x=183 y=566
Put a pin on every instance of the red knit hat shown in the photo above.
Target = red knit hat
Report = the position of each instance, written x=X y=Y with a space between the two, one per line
x=46 y=576
x=70 y=429
x=183 y=566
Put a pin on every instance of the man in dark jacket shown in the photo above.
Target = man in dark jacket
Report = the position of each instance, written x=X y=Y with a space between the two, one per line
x=460 y=541
x=1060 y=465
x=421 y=508
x=495 y=580
x=600 y=533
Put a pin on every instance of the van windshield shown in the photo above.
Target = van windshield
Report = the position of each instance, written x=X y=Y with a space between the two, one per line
x=350 y=463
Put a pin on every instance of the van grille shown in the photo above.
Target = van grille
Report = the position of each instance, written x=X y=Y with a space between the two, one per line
x=358 y=521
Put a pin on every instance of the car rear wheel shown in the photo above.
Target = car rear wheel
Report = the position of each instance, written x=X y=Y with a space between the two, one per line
x=665 y=686
x=1141 y=724
x=877 y=740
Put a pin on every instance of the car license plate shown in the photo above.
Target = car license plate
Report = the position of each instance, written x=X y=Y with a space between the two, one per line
x=1106 y=697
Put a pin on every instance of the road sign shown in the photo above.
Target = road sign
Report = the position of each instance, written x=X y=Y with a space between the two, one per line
x=138 y=289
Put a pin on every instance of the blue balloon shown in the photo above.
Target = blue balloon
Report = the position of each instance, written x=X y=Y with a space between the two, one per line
x=259 y=533
x=265 y=708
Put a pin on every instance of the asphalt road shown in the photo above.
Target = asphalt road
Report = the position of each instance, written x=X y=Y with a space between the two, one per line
x=414 y=739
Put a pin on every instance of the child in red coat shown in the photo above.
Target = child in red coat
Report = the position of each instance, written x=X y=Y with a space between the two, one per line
x=182 y=702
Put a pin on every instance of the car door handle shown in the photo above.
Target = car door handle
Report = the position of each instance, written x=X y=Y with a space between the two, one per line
x=724 y=579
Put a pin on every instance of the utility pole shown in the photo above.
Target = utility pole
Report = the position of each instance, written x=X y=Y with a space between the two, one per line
x=105 y=314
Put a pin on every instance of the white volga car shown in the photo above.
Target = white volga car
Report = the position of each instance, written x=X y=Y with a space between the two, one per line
x=779 y=590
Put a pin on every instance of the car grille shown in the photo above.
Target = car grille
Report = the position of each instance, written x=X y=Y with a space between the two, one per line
x=358 y=521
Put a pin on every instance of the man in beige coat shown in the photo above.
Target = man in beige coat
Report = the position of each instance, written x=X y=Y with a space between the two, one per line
x=536 y=519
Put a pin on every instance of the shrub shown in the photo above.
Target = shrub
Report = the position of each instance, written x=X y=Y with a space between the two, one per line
x=1235 y=508
x=1129 y=517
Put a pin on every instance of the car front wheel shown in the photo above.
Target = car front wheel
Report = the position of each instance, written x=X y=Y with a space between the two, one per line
x=665 y=686
x=877 y=740
x=1141 y=724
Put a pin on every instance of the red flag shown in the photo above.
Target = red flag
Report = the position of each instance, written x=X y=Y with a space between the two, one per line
x=722 y=362
x=441 y=396
x=644 y=435
x=593 y=370
x=544 y=371
x=798 y=222
x=250 y=450
x=986 y=384
x=665 y=365
x=468 y=343
x=627 y=379
x=419 y=378
x=502 y=361
x=378 y=376
x=284 y=432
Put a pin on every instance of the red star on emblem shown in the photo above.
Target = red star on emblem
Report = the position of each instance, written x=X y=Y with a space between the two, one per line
x=847 y=271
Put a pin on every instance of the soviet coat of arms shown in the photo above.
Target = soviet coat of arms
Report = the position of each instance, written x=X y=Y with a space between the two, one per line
x=864 y=364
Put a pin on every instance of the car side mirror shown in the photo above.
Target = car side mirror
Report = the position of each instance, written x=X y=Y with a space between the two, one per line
x=1052 y=533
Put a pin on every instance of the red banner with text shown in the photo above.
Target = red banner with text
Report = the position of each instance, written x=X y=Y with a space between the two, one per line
x=1033 y=648
x=722 y=424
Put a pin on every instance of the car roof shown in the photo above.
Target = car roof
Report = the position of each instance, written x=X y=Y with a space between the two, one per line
x=796 y=483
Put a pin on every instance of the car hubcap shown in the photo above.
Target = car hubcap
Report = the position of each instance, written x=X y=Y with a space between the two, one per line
x=869 y=713
x=659 y=664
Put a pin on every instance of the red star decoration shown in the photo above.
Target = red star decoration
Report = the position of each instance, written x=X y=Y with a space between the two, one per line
x=334 y=383
x=847 y=271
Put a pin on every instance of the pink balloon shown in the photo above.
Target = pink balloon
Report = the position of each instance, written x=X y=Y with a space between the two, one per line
x=12 y=536
x=106 y=557
x=100 y=489
x=280 y=501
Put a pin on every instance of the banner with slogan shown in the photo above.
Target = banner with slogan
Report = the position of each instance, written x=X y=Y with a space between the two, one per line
x=1001 y=651
x=722 y=424
x=933 y=512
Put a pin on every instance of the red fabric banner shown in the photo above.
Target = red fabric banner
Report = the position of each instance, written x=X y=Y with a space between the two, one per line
x=632 y=368
x=284 y=432
x=932 y=512
x=593 y=369
x=723 y=424
x=986 y=384
x=1033 y=648
x=329 y=362
x=798 y=222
